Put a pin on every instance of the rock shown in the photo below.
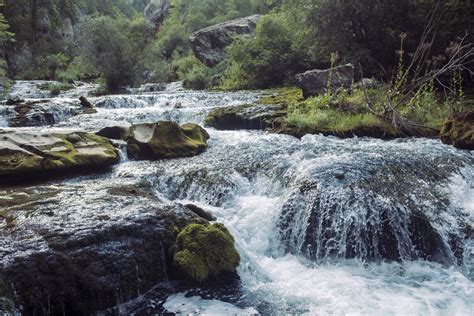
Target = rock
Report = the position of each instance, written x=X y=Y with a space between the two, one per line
x=209 y=44
x=85 y=103
x=115 y=132
x=165 y=140
x=156 y=11
x=253 y=117
x=205 y=251
x=458 y=130
x=152 y=87
x=42 y=112
x=14 y=100
x=315 y=82
x=77 y=253
x=28 y=154
x=200 y=212
x=368 y=214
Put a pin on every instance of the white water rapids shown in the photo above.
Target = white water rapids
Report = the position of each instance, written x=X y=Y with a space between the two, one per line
x=309 y=216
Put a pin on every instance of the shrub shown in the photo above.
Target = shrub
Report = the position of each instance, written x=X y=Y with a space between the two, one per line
x=269 y=59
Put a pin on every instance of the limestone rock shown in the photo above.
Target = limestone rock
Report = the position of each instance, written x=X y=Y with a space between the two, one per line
x=164 y=140
x=209 y=44
x=28 y=154
x=315 y=82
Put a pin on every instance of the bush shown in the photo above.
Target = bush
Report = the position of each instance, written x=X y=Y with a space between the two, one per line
x=205 y=251
x=269 y=59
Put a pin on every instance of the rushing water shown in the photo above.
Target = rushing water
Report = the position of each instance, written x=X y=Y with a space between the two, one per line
x=310 y=217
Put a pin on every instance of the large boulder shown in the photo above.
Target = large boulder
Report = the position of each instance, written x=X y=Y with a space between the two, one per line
x=79 y=248
x=156 y=11
x=458 y=130
x=164 y=140
x=27 y=154
x=253 y=117
x=205 y=251
x=209 y=44
x=316 y=82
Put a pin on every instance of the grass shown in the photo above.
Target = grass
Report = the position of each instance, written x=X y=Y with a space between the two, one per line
x=347 y=110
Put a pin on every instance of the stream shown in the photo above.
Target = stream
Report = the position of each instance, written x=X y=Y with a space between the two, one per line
x=323 y=225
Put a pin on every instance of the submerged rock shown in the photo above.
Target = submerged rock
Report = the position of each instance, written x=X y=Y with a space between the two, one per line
x=369 y=215
x=253 y=117
x=315 y=82
x=458 y=130
x=27 y=154
x=164 y=140
x=209 y=44
x=205 y=251
x=201 y=212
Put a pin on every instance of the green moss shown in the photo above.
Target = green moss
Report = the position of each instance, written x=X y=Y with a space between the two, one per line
x=205 y=251
x=282 y=96
x=168 y=141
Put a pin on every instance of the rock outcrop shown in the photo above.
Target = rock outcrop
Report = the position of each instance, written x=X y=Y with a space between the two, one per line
x=65 y=252
x=156 y=11
x=253 y=117
x=28 y=154
x=316 y=82
x=204 y=252
x=458 y=130
x=209 y=44
x=164 y=140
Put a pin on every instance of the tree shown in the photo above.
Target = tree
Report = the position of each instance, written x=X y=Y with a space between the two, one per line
x=113 y=47
x=5 y=35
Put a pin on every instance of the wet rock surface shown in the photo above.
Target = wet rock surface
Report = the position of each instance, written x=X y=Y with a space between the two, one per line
x=77 y=252
x=165 y=140
x=28 y=154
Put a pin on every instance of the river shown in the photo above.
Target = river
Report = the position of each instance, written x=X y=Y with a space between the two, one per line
x=310 y=217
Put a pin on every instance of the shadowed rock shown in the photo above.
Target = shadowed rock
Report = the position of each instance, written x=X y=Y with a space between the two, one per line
x=316 y=82
x=458 y=130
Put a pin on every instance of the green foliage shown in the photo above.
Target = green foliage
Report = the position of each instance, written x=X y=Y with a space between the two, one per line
x=271 y=58
x=347 y=110
x=205 y=251
x=5 y=36
x=113 y=47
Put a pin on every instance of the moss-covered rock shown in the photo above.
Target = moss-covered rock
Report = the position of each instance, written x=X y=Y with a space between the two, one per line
x=249 y=117
x=458 y=130
x=25 y=154
x=164 y=140
x=205 y=251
